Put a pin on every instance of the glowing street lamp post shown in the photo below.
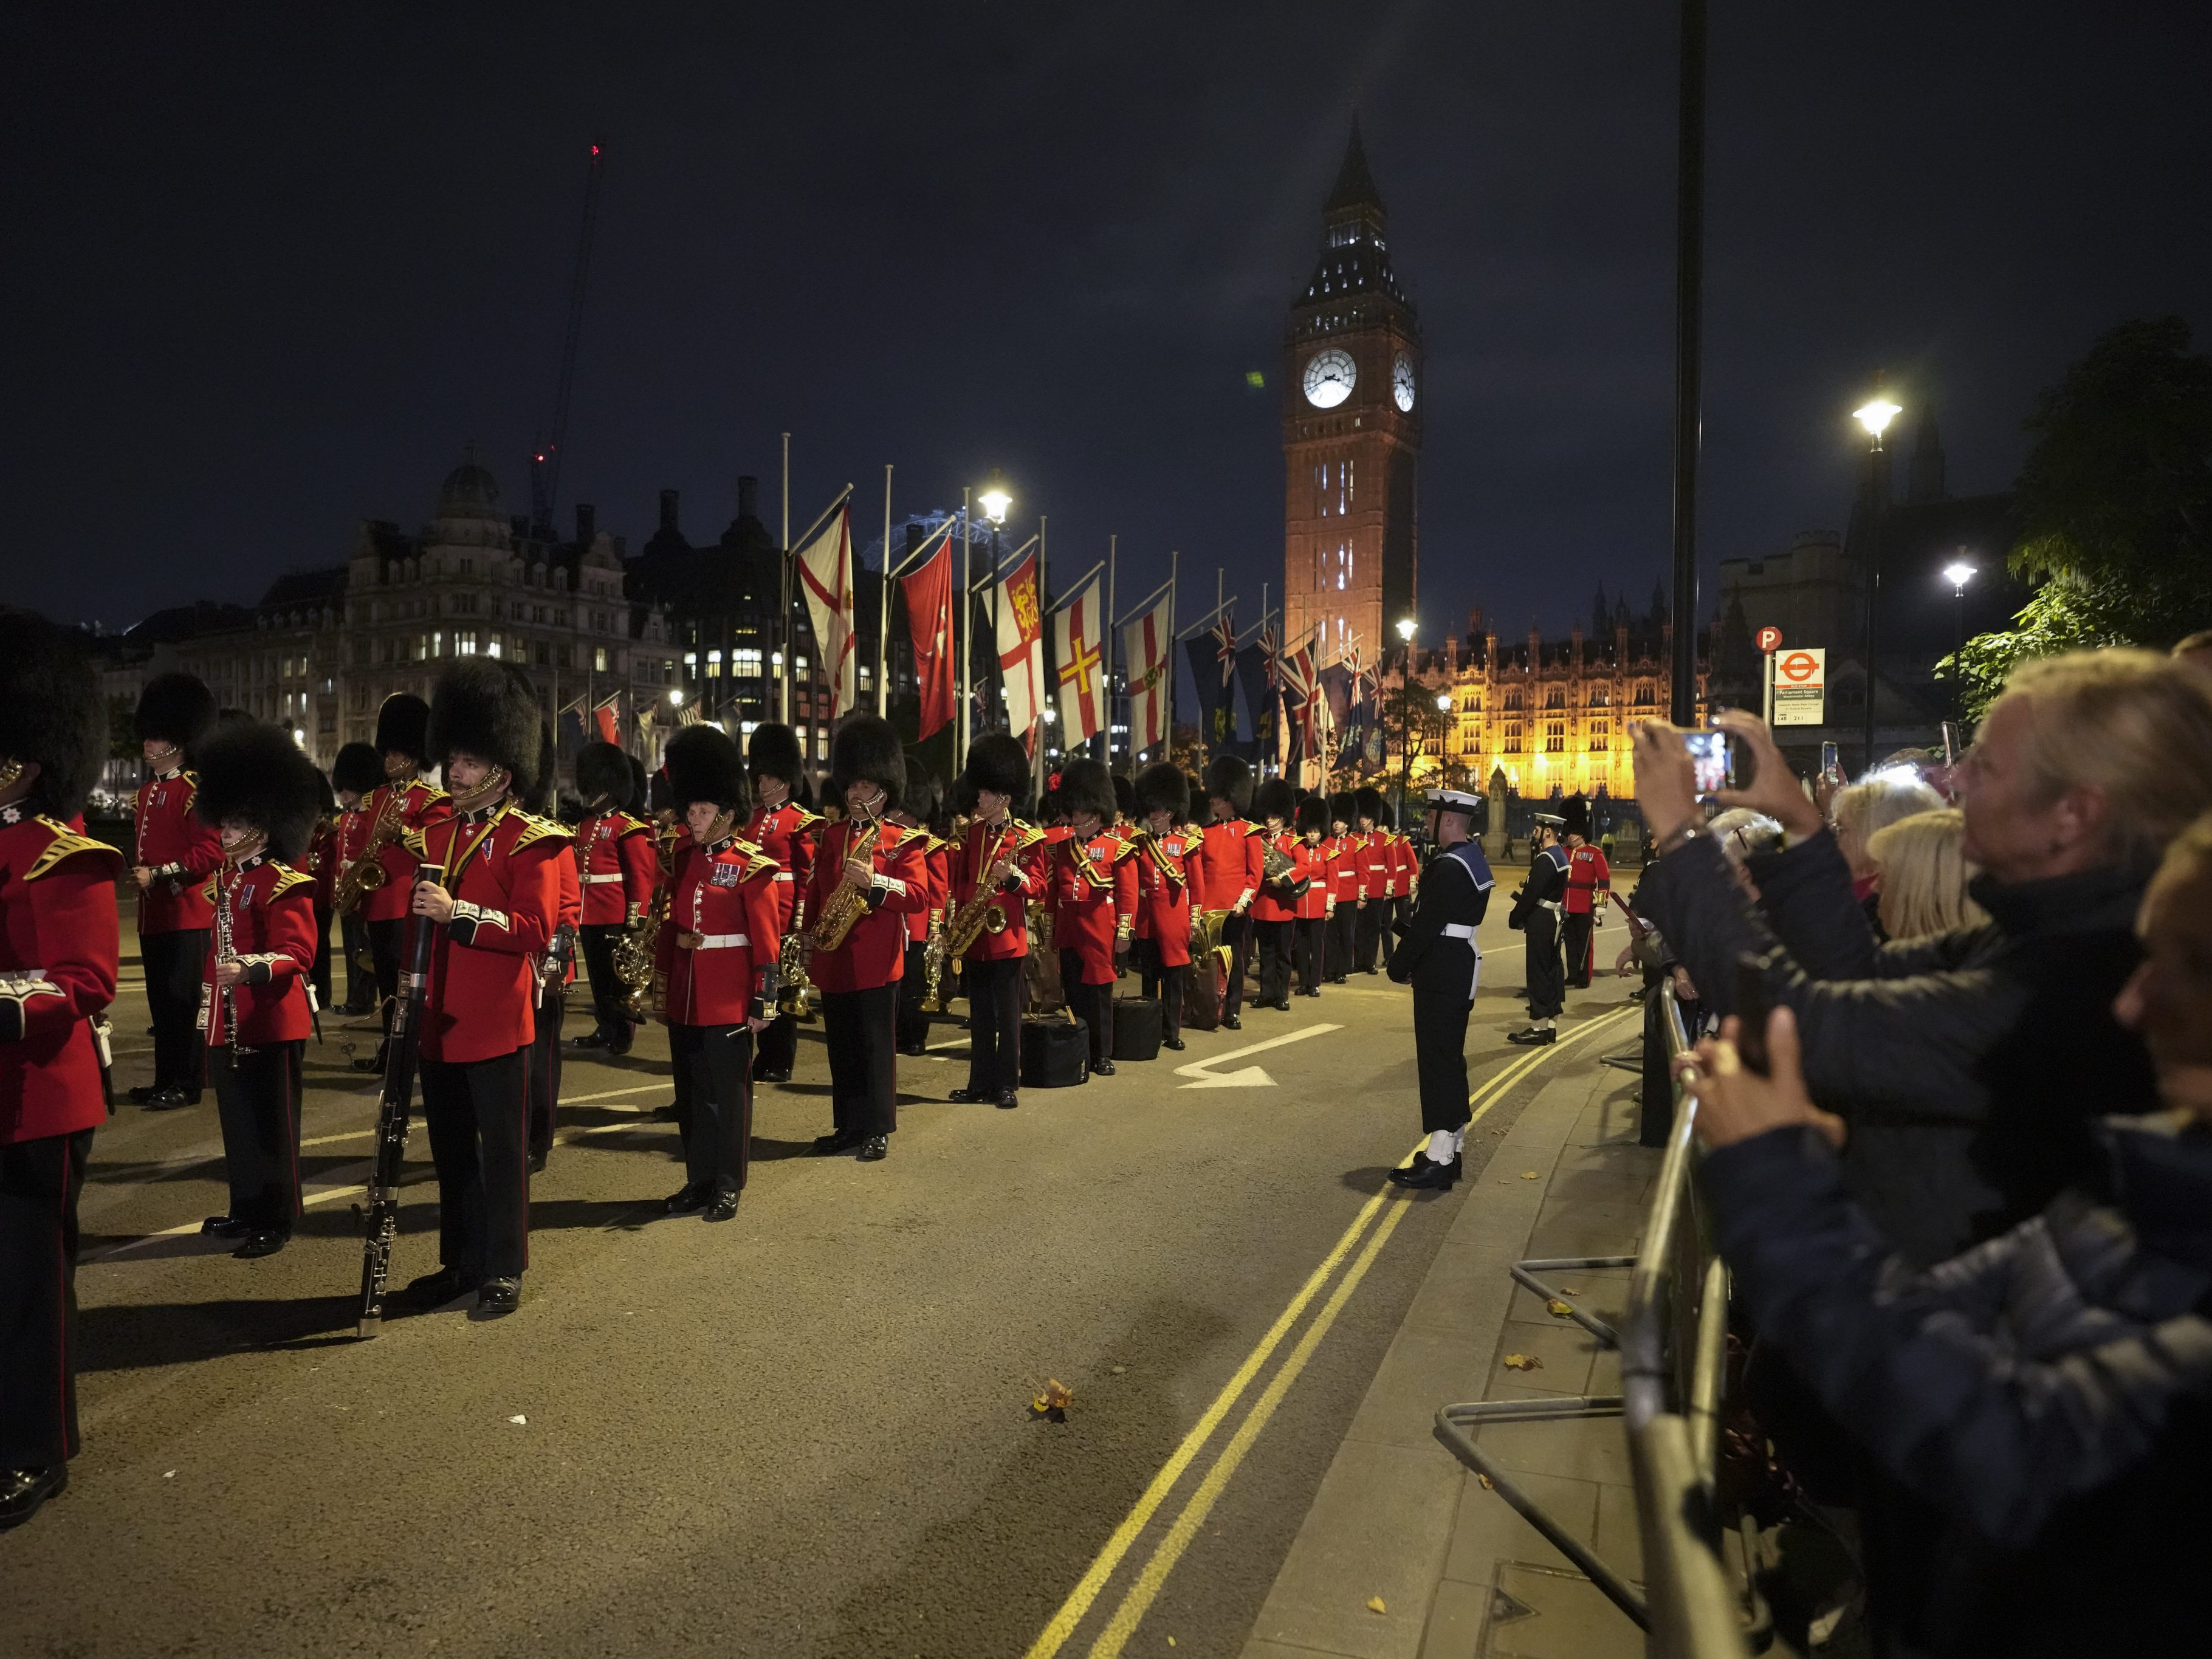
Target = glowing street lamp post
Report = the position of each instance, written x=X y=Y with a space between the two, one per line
x=1406 y=627
x=1874 y=415
x=1957 y=573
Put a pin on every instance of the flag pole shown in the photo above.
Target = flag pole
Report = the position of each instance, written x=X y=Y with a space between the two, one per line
x=1036 y=750
x=967 y=628
x=783 y=587
x=1113 y=545
x=1175 y=668
x=884 y=601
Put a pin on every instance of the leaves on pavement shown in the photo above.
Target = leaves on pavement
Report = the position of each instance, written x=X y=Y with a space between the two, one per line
x=1523 y=1362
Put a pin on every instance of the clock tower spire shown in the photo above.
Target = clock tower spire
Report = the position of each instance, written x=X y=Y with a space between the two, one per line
x=1352 y=431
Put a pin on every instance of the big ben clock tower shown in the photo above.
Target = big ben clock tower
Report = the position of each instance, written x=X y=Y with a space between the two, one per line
x=1351 y=433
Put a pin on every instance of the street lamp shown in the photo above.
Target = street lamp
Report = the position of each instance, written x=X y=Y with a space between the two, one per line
x=1957 y=573
x=994 y=498
x=1406 y=627
x=1874 y=415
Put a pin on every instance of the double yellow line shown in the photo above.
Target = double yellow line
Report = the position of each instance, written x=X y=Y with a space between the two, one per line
x=1138 y=1598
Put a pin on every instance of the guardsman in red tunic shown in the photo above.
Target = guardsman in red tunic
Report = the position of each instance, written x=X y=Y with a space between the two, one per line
x=261 y=797
x=914 y=812
x=1343 y=886
x=1094 y=899
x=869 y=876
x=1370 y=928
x=1589 y=875
x=1170 y=893
x=59 y=955
x=716 y=971
x=175 y=854
x=319 y=863
x=556 y=969
x=1318 y=903
x=1405 y=867
x=495 y=914
x=619 y=871
x=1001 y=856
x=355 y=776
x=404 y=800
x=1275 y=910
x=1231 y=864
x=786 y=832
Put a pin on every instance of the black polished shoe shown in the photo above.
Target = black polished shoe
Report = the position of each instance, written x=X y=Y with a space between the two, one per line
x=874 y=1149
x=143 y=1093
x=831 y=1145
x=724 y=1207
x=667 y=1114
x=262 y=1241
x=1531 y=1038
x=434 y=1290
x=1314 y=991
x=591 y=1040
x=1104 y=1069
x=537 y=1162
x=914 y=1050
x=1425 y=1176
x=1008 y=1100
x=1231 y=1022
x=1174 y=1042
x=686 y=1199
x=782 y=1075
x=224 y=1226
x=22 y=1491
x=495 y=1296
x=970 y=1096
x=168 y=1100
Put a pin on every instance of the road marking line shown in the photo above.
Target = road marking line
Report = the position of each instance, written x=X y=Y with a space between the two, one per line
x=1198 y=1068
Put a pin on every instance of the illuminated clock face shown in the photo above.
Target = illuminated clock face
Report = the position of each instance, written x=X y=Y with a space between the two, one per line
x=1401 y=382
x=1330 y=376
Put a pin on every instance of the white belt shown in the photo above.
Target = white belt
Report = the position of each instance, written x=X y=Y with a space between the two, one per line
x=1459 y=930
x=722 y=942
x=784 y=875
x=1553 y=905
x=596 y=881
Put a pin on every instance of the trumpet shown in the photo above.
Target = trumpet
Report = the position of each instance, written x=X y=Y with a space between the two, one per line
x=842 y=911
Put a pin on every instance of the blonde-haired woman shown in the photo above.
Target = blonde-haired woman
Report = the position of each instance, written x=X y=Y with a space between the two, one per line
x=1923 y=870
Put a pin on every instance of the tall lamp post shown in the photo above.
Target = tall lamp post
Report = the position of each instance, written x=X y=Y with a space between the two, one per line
x=994 y=498
x=1406 y=627
x=1874 y=415
x=1957 y=573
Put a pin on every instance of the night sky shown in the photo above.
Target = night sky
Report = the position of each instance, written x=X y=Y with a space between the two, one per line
x=268 y=273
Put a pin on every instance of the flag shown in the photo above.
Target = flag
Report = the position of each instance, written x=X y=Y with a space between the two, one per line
x=825 y=570
x=1148 y=649
x=1255 y=673
x=1300 y=695
x=1336 y=683
x=1021 y=648
x=608 y=732
x=1078 y=639
x=928 y=594
x=1224 y=655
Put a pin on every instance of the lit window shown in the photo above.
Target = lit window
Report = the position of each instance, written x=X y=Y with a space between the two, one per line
x=746 y=661
x=600 y=658
x=491 y=646
x=465 y=641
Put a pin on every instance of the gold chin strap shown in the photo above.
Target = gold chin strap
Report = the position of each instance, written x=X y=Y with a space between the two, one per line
x=11 y=774
x=493 y=787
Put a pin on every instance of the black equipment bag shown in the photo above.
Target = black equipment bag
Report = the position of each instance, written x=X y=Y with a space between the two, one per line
x=1055 y=1051
x=1137 y=1025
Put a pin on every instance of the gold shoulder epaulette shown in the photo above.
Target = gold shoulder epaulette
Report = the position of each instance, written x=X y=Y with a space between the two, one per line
x=208 y=889
x=906 y=837
x=807 y=820
x=632 y=824
x=287 y=879
x=411 y=839
x=1251 y=829
x=66 y=844
x=758 y=862
x=1029 y=835
x=534 y=829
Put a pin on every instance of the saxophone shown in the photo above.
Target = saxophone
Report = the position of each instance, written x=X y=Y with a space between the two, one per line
x=842 y=911
x=636 y=954
x=367 y=872
x=982 y=912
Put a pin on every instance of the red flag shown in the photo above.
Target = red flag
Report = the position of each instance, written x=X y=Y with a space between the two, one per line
x=928 y=592
x=607 y=731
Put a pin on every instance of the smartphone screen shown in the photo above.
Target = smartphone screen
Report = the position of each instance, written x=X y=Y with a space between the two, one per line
x=1751 y=1013
x=1710 y=761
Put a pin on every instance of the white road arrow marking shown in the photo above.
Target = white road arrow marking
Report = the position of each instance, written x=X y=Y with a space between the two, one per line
x=1251 y=1076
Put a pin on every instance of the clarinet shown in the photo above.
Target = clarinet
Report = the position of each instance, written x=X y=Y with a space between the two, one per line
x=401 y=1052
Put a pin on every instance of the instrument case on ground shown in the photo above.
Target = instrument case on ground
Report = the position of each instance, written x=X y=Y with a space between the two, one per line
x=1055 y=1052
x=1137 y=1027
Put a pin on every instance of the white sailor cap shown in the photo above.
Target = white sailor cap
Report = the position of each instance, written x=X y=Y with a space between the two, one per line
x=1453 y=800
x=1550 y=820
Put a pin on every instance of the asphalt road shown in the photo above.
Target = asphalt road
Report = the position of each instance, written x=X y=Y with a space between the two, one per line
x=807 y=1431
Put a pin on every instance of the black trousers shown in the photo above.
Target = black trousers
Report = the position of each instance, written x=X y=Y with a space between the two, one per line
x=175 y=962
x=1575 y=934
x=608 y=991
x=1091 y=1003
x=1168 y=984
x=319 y=977
x=1236 y=934
x=257 y=1096
x=1337 y=958
x=476 y=1112
x=1440 y=1056
x=1394 y=911
x=715 y=1063
x=913 y=1024
x=1366 y=929
x=39 y=1182
x=994 y=1024
x=361 y=983
x=859 y=1027
x=1307 y=951
x=545 y=1067
x=1274 y=943
x=1547 y=982
x=778 y=1047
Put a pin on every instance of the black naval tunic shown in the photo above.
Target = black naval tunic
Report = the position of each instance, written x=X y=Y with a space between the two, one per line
x=1438 y=957
x=1536 y=911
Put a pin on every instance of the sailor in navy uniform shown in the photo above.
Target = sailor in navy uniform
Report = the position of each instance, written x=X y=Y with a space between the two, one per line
x=1437 y=955
x=1538 y=912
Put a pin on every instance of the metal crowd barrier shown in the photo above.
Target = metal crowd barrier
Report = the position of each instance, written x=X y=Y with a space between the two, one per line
x=1674 y=1349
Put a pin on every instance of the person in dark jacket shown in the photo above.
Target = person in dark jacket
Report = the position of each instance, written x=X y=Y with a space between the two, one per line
x=1964 y=1063
x=2046 y=1397
x=1437 y=955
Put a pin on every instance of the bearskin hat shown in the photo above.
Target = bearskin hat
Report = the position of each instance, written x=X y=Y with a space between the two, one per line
x=1343 y=809
x=660 y=794
x=402 y=726
x=1086 y=785
x=997 y=763
x=51 y=711
x=176 y=708
x=1367 y=800
x=1275 y=798
x=255 y=773
x=358 y=767
x=865 y=748
x=703 y=764
x=1125 y=796
x=1575 y=810
x=603 y=770
x=478 y=708
x=772 y=751
x=1229 y=777
x=1312 y=815
x=922 y=797
x=640 y=792
x=1162 y=787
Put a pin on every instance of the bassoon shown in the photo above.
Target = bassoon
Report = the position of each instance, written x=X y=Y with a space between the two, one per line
x=403 y=1048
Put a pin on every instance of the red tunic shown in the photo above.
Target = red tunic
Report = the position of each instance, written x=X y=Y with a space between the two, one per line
x=1374 y=857
x=1275 y=903
x=500 y=870
x=1586 y=871
x=181 y=851
x=420 y=806
x=1170 y=888
x=933 y=852
x=1343 y=854
x=978 y=849
x=264 y=917
x=569 y=908
x=788 y=834
x=727 y=902
x=59 y=954
x=1094 y=892
x=1316 y=864
x=874 y=952
x=1229 y=863
x=322 y=862
x=615 y=852
x=1404 y=867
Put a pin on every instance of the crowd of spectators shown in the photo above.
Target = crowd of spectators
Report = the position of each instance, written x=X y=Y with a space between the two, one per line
x=1967 y=1202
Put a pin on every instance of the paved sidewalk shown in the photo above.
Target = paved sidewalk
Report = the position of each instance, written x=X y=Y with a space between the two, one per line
x=1398 y=1518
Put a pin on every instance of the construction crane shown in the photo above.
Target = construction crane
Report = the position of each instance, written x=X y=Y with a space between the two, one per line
x=545 y=459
